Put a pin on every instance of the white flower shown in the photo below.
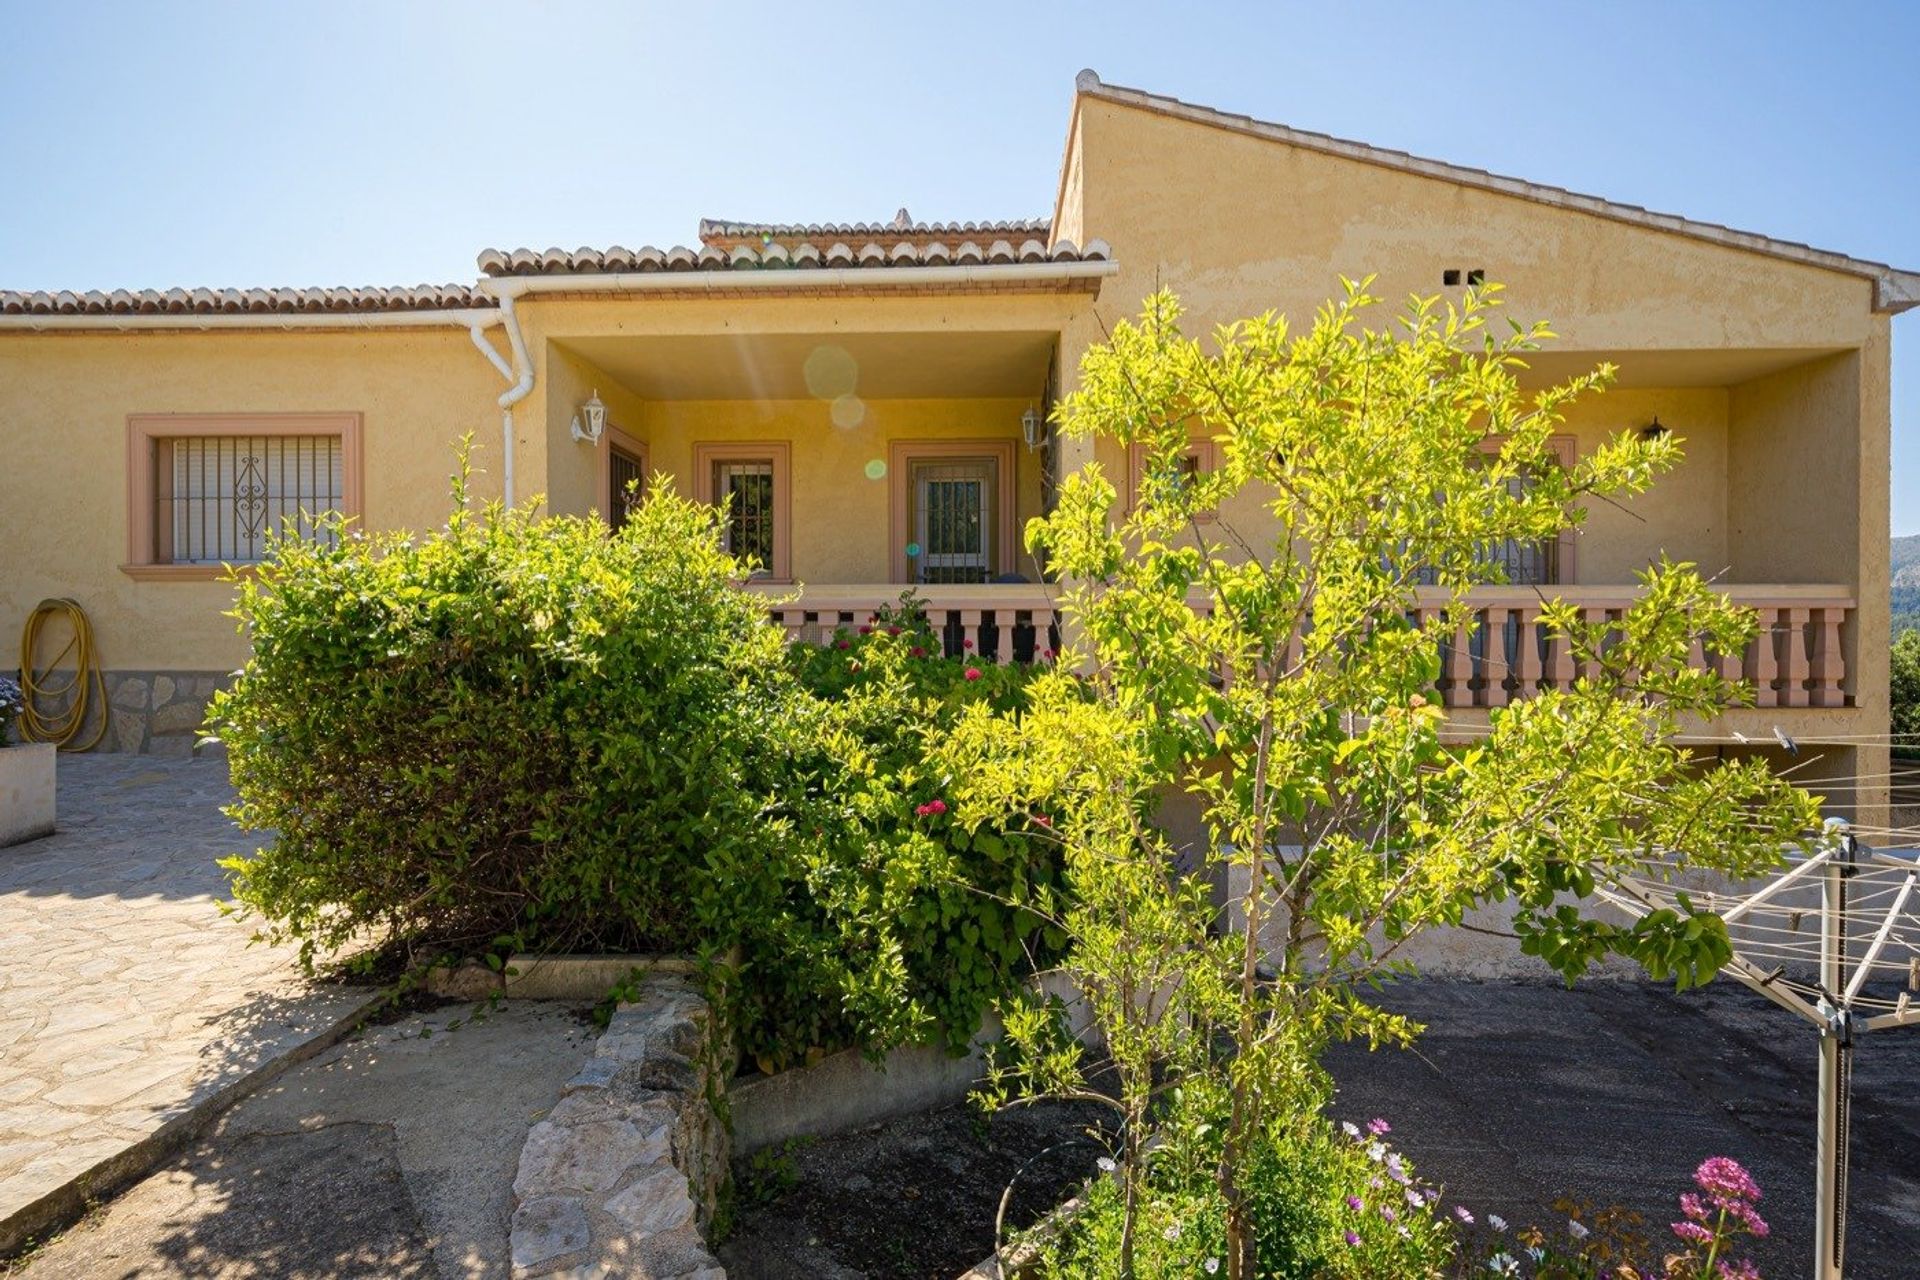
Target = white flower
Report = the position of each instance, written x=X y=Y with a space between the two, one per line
x=1213 y=1265
x=1497 y=1222
x=1577 y=1230
x=1349 y=1128
x=1106 y=1165
x=1172 y=1232
x=1376 y=1152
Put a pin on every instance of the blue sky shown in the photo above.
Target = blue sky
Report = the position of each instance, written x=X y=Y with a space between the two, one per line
x=158 y=144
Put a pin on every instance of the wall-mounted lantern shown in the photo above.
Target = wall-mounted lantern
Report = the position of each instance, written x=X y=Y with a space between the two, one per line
x=1033 y=427
x=595 y=415
x=1654 y=430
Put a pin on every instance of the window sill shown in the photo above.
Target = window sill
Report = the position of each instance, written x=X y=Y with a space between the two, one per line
x=181 y=572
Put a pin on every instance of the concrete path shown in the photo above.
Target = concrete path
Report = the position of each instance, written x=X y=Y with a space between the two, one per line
x=391 y=1155
x=1614 y=1093
x=129 y=1007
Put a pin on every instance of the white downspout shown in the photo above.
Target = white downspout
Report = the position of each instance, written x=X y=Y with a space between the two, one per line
x=520 y=373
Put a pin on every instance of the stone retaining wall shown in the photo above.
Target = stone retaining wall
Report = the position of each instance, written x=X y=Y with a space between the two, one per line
x=153 y=712
x=622 y=1176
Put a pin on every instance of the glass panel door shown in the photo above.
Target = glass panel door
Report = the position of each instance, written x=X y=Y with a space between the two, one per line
x=743 y=489
x=953 y=520
x=626 y=476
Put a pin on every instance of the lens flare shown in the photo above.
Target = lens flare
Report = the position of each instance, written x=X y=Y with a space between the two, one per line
x=831 y=372
x=913 y=551
x=849 y=411
x=876 y=469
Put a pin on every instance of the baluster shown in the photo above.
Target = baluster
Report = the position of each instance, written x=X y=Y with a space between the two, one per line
x=1727 y=664
x=1004 y=621
x=1829 y=660
x=1456 y=675
x=1794 y=686
x=1559 y=662
x=969 y=631
x=1527 y=651
x=1763 y=663
x=1594 y=615
x=1424 y=618
x=1493 y=657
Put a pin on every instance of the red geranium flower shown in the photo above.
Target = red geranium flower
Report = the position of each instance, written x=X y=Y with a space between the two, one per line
x=973 y=673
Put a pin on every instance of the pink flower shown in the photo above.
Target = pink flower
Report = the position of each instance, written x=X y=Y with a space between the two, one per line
x=1352 y=1238
x=893 y=631
x=1692 y=1232
x=1047 y=654
x=844 y=644
x=1721 y=1176
x=1460 y=1212
x=1377 y=1126
x=917 y=652
x=1042 y=820
x=866 y=631
x=973 y=673
x=931 y=808
x=966 y=644
x=1355 y=1203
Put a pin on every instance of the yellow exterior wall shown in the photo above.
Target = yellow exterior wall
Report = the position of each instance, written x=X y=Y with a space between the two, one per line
x=1239 y=224
x=840 y=514
x=64 y=401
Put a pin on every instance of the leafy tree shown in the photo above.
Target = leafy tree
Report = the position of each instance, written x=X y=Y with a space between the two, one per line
x=1286 y=678
x=1906 y=688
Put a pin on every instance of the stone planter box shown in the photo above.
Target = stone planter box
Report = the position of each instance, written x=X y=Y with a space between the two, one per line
x=26 y=792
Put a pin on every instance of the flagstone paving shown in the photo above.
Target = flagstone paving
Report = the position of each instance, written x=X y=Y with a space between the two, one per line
x=128 y=1005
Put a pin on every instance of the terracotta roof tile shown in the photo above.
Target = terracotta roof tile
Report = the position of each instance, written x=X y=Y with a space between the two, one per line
x=726 y=233
x=425 y=297
x=873 y=254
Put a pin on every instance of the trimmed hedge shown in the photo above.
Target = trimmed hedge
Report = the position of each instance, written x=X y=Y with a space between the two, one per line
x=523 y=733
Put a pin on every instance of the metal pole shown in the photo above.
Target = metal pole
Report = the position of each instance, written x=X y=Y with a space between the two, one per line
x=1830 y=1142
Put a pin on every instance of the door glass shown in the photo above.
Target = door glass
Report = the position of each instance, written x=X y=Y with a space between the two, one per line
x=744 y=490
x=627 y=479
x=953 y=520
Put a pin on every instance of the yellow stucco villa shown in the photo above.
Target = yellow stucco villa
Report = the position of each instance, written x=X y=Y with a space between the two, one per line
x=870 y=401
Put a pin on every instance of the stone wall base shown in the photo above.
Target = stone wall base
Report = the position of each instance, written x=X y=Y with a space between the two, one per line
x=152 y=712
x=622 y=1176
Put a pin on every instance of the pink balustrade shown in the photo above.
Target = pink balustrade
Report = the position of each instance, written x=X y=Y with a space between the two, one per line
x=1501 y=652
x=1014 y=622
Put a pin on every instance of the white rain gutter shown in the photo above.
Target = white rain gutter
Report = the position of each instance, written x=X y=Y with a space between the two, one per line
x=519 y=373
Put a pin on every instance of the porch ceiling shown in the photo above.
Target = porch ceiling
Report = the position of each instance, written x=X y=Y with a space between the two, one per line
x=1674 y=368
x=796 y=366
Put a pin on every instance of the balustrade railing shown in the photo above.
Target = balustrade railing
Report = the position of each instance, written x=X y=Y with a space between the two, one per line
x=1499 y=653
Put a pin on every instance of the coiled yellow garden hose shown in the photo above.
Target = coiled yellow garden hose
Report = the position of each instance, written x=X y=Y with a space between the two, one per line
x=87 y=683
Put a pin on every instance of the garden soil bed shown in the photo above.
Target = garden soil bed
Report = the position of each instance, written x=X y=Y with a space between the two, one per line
x=911 y=1199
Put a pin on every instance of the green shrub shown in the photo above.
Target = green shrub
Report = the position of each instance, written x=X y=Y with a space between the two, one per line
x=515 y=730
x=520 y=733
x=923 y=922
x=1326 y=1204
